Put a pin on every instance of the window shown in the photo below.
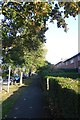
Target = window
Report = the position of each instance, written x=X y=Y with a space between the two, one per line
x=66 y=63
x=72 y=61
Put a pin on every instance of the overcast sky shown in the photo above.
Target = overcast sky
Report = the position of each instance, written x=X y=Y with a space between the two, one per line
x=62 y=45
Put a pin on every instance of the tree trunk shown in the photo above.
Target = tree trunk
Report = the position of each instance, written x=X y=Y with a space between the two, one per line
x=21 y=78
x=30 y=71
x=9 y=78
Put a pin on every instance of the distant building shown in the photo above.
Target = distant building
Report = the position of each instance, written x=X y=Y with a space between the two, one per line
x=72 y=63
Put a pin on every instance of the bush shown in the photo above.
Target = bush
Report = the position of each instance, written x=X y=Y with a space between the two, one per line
x=69 y=75
x=63 y=94
x=48 y=70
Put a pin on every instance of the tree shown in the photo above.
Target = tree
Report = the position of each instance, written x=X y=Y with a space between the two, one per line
x=24 y=26
x=35 y=59
x=19 y=21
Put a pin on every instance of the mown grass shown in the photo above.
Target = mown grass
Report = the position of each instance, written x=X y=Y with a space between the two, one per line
x=16 y=91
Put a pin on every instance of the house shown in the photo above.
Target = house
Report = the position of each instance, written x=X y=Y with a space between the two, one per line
x=72 y=63
x=59 y=64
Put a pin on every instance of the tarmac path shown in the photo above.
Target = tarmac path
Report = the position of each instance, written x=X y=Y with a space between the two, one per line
x=30 y=104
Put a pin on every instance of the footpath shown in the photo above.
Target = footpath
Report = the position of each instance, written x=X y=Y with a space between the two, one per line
x=31 y=104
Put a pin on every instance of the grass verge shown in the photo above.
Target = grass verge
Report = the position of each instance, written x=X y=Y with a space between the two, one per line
x=16 y=91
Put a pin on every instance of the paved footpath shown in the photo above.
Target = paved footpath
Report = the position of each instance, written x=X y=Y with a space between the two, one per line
x=30 y=104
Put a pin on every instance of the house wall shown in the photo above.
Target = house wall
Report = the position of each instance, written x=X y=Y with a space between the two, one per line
x=71 y=63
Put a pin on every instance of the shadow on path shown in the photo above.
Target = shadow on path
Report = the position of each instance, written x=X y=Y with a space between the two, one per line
x=30 y=104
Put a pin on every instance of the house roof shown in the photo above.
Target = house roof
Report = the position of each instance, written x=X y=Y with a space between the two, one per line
x=72 y=57
x=68 y=59
x=58 y=63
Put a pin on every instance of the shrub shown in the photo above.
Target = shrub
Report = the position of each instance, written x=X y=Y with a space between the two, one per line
x=63 y=94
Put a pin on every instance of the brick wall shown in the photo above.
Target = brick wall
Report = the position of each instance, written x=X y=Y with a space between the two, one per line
x=71 y=63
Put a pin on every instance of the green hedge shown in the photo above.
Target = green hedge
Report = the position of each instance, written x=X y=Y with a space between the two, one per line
x=64 y=94
x=65 y=70
x=71 y=73
x=66 y=82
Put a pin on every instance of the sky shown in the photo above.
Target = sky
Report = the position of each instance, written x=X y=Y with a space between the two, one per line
x=62 y=45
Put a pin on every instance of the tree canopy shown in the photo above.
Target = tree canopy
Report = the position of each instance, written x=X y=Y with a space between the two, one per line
x=24 y=25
